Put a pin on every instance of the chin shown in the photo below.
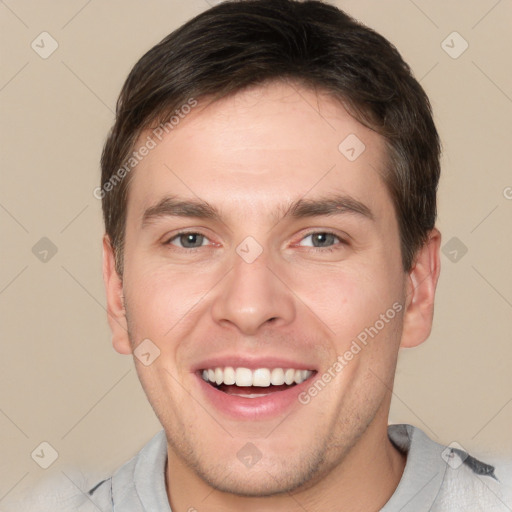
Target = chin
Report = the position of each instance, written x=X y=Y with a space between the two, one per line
x=271 y=477
x=262 y=483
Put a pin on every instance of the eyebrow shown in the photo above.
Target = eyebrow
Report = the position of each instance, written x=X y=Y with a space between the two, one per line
x=174 y=207
x=331 y=205
x=337 y=204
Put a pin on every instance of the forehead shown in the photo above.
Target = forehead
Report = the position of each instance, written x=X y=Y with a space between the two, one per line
x=268 y=144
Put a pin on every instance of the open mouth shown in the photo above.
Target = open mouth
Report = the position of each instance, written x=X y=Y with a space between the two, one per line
x=248 y=383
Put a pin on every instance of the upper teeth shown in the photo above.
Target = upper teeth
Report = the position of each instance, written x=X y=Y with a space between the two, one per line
x=262 y=377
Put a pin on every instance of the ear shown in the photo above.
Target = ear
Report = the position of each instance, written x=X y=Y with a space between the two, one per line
x=420 y=289
x=115 y=305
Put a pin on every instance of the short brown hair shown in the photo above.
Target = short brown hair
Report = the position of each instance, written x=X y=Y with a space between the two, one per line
x=238 y=44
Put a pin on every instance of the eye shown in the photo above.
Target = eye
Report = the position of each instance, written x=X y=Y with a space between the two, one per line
x=321 y=239
x=188 y=240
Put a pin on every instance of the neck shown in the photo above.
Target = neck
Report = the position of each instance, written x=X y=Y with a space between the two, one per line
x=364 y=480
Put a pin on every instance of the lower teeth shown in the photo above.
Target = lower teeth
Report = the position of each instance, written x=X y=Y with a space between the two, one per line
x=249 y=396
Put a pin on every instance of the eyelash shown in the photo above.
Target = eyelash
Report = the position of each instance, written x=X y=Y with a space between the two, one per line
x=322 y=249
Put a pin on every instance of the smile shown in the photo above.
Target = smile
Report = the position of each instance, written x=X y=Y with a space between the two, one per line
x=253 y=394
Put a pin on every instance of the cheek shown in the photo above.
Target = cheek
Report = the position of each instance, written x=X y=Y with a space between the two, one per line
x=349 y=300
x=161 y=301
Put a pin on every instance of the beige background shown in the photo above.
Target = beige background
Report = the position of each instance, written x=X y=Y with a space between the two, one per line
x=61 y=382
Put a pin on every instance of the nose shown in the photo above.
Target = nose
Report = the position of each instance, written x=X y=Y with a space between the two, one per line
x=253 y=295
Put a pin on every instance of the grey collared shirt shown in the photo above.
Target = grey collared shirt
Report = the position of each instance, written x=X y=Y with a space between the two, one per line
x=436 y=478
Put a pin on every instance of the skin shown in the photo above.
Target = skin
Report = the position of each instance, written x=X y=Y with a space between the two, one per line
x=250 y=156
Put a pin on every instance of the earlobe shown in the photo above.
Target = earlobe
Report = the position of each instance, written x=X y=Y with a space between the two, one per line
x=420 y=293
x=115 y=307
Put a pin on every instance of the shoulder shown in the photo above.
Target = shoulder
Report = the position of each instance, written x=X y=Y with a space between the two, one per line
x=471 y=484
x=65 y=491
x=447 y=478
x=72 y=490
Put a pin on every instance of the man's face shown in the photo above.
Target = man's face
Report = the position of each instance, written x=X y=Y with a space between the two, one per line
x=260 y=285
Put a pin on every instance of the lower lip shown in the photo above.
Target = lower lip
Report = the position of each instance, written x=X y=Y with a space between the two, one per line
x=260 y=407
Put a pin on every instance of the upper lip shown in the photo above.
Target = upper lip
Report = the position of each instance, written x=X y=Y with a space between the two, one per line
x=251 y=362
